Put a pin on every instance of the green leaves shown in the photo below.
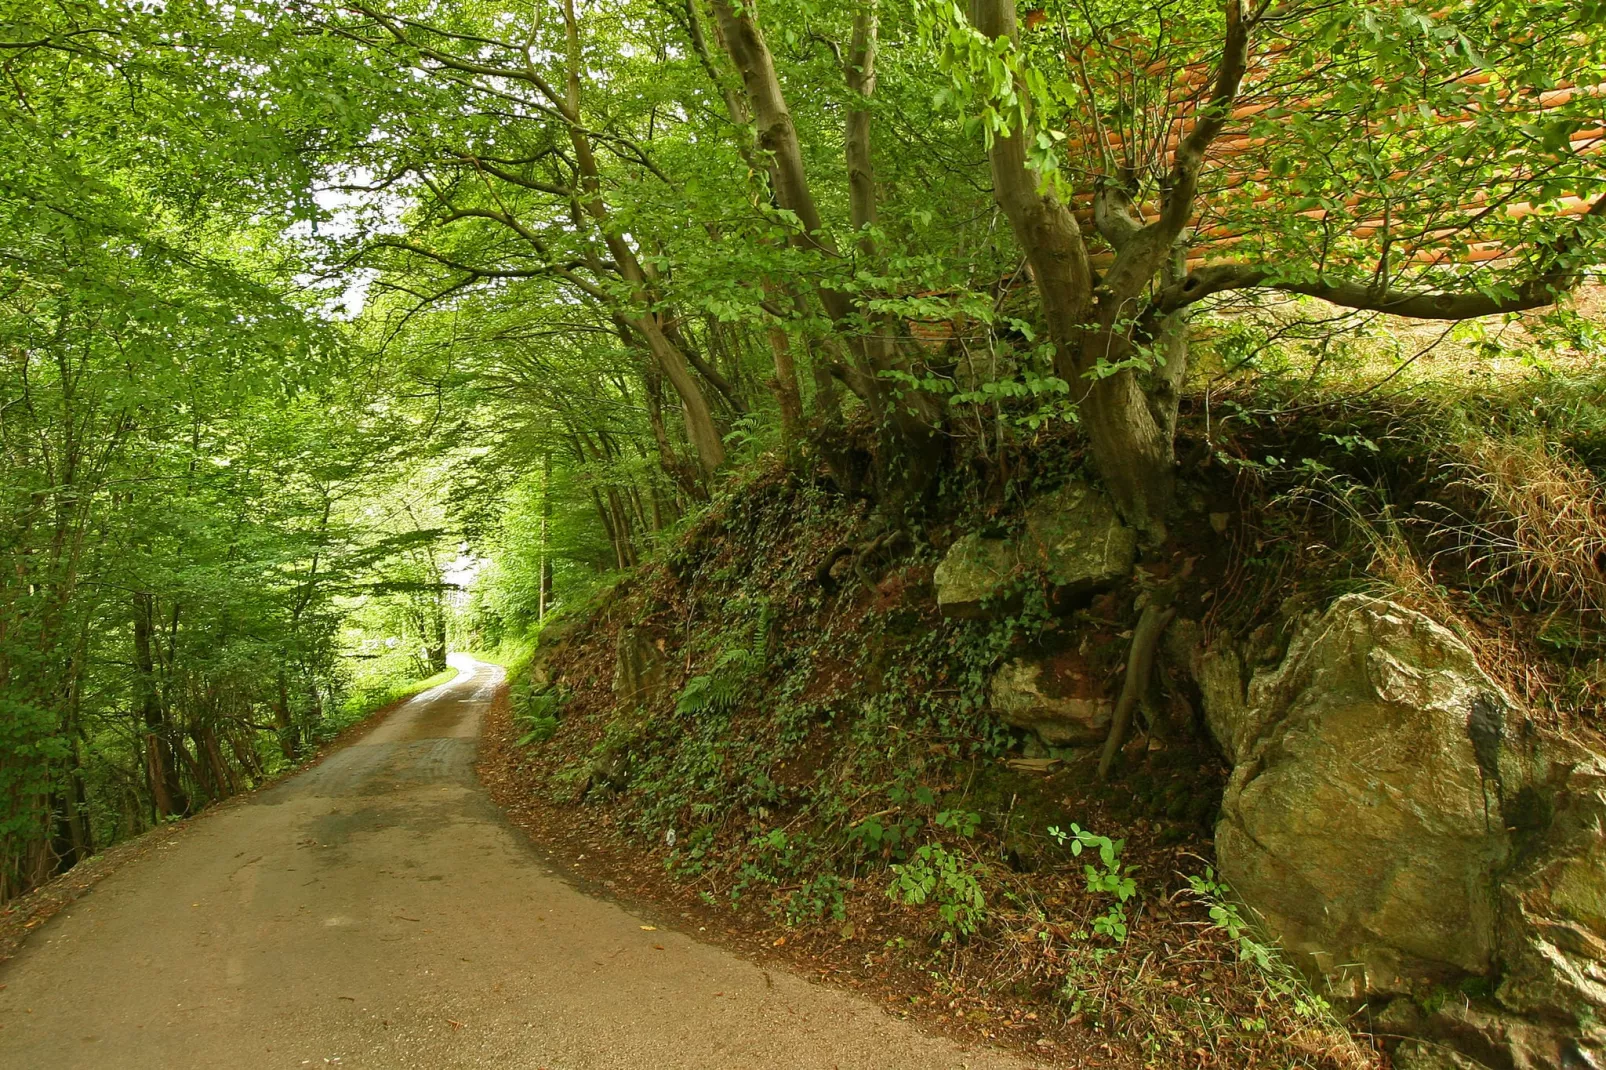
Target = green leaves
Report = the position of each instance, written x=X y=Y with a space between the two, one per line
x=995 y=83
x=1109 y=877
x=936 y=875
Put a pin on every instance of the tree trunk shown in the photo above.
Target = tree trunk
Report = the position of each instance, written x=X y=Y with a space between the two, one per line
x=700 y=428
x=907 y=422
x=206 y=740
x=284 y=721
x=545 y=593
x=787 y=395
x=684 y=475
x=74 y=841
x=861 y=79
x=1129 y=449
x=167 y=791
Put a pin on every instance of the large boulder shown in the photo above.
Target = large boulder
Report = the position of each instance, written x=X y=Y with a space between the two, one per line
x=1361 y=820
x=1405 y=830
x=1054 y=697
x=1076 y=537
x=974 y=570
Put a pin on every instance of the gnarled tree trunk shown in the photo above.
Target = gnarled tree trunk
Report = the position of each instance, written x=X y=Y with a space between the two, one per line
x=1129 y=431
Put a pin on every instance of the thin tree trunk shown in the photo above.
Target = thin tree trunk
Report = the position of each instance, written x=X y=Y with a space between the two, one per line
x=545 y=594
x=787 y=395
x=284 y=721
x=700 y=427
x=861 y=79
x=167 y=792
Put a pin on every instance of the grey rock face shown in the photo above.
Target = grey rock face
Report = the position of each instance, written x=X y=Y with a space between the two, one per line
x=638 y=674
x=1077 y=538
x=1403 y=829
x=1073 y=534
x=1359 y=820
x=974 y=569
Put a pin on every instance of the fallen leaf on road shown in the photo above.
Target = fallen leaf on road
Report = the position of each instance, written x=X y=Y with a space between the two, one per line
x=780 y=941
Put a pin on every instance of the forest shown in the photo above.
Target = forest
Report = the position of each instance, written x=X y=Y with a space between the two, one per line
x=814 y=402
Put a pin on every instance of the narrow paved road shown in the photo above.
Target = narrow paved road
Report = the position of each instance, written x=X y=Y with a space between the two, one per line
x=376 y=911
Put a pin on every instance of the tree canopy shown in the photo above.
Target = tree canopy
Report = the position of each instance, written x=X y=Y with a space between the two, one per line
x=299 y=300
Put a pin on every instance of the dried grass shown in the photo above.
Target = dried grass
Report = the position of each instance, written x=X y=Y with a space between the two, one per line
x=1401 y=573
x=1544 y=534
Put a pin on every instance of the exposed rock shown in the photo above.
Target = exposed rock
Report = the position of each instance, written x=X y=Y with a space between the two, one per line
x=1219 y=672
x=1073 y=534
x=1554 y=899
x=1483 y=1036
x=609 y=772
x=549 y=642
x=1053 y=698
x=1404 y=830
x=973 y=570
x=1419 y=1055
x=1077 y=538
x=638 y=674
x=1222 y=672
x=1359 y=820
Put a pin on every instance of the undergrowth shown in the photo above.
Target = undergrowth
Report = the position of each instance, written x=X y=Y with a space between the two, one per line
x=826 y=759
x=1483 y=508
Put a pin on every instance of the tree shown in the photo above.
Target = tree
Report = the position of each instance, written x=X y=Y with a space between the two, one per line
x=1392 y=142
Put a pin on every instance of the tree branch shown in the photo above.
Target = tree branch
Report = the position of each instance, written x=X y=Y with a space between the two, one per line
x=1556 y=277
x=1144 y=251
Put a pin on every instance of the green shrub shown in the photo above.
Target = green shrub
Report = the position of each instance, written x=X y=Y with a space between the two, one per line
x=937 y=875
x=1109 y=877
x=536 y=714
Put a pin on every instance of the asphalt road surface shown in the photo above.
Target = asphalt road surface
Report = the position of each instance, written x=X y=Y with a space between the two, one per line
x=377 y=911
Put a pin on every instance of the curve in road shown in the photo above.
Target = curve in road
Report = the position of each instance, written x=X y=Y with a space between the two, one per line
x=376 y=911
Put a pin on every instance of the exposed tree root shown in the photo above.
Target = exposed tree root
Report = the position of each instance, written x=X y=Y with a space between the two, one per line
x=863 y=552
x=1139 y=669
x=822 y=574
